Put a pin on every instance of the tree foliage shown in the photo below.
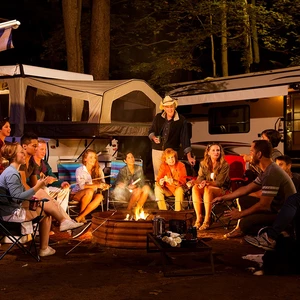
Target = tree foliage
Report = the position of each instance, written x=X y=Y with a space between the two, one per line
x=164 y=41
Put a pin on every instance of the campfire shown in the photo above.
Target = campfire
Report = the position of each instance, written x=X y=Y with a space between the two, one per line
x=115 y=229
x=138 y=215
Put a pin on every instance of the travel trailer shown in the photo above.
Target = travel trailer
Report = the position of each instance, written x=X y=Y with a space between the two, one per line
x=73 y=112
x=239 y=108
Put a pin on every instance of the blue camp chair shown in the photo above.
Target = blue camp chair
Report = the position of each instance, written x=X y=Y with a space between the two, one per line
x=67 y=172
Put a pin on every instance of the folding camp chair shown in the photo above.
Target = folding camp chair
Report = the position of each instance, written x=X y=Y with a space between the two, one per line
x=237 y=169
x=13 y=230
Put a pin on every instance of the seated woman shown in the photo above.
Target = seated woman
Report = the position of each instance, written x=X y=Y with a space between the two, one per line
x=213 y=180
x=171 y=178
x=130 y=185
x=18 y=211
x=89 y=178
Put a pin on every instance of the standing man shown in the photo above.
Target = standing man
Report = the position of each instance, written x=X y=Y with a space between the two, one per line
x=169 y=130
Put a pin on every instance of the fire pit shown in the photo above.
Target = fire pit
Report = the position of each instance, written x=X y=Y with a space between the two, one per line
x=118 y=233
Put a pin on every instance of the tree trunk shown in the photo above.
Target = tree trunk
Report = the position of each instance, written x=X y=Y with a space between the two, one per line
x=256 y=56
x=72 y=18
x=248 y=49
x=100 y=39
x=224 y=49
x=213 y=51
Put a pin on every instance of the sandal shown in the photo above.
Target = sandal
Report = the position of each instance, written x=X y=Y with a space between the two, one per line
x=204 y=226
x=197 y=225
x=235 y=233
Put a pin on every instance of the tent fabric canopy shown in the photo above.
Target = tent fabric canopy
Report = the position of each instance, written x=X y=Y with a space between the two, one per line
x=109 y=102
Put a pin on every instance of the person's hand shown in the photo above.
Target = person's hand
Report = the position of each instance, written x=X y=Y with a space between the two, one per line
x=246 y=157
x=218 y=199
x=202 y=184
x=161 y=181
x=42 y=182
x=190 y=183
x=156 y=139
x=233 y=214
x=65 y=185
x=52 y=179
x=191 y=160
x=131 y=187
x=170 y=180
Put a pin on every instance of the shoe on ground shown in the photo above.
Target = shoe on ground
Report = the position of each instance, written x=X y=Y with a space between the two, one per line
x=80 y=230
x=235 y=233
x=47 y=252
x=261 y=241
x=69 y=225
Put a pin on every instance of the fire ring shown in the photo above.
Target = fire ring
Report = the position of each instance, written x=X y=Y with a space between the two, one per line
x=116 y=232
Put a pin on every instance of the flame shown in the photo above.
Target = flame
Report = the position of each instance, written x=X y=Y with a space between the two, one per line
x=139 y=214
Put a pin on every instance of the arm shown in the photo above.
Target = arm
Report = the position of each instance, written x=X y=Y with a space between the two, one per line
x=264 y=204
x=182 y=174
x=242 y=191
x=186 y=143
x=222 y=176
x=152 y=131
x=23 y=179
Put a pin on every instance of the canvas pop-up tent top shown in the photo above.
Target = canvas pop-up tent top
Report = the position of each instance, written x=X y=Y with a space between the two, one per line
x=74 y=112
x=60 y=104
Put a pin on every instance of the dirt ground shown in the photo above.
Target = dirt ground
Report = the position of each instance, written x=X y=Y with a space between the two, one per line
x=91 y=271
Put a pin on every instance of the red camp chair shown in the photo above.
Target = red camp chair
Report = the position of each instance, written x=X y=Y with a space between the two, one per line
x=237 y=169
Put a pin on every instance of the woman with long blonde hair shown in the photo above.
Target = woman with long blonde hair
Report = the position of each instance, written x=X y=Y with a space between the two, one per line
x=212 y=181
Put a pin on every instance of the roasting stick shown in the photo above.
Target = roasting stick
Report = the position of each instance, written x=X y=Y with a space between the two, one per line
x=92 y=233
x=134 y=183
x=102 y=177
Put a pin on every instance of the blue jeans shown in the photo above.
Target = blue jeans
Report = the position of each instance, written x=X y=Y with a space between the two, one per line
x=289 y=213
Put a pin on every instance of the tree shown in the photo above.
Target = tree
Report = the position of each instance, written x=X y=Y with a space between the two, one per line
x=72 y=21
x=100 y=39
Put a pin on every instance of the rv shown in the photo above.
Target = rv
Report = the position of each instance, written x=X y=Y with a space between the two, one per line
x=238 y=108
x=73 y=112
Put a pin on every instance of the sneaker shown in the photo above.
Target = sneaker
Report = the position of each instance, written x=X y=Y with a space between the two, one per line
x=80 y=230
x=261 y=241
x=47 y=252
x=69 y=225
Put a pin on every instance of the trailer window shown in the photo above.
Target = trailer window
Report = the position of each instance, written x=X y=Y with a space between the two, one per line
x=45 y=106
x=229 y=119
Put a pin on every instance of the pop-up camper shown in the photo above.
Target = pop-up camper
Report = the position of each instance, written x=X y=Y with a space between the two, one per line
x=72 y=110
x=239 y=108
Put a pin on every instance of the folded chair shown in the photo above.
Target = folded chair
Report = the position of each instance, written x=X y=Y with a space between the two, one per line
x=237 y=169
x=15 y=231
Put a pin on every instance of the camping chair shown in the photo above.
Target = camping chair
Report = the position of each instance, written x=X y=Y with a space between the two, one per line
x=13 y=230
x=237 y=169
x=116 y=165
x=67 y=172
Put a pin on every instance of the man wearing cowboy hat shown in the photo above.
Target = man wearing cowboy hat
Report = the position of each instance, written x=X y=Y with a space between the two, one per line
x=169 y=130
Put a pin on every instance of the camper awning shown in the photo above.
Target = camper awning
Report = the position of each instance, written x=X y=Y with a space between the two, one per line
x=233 y=95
